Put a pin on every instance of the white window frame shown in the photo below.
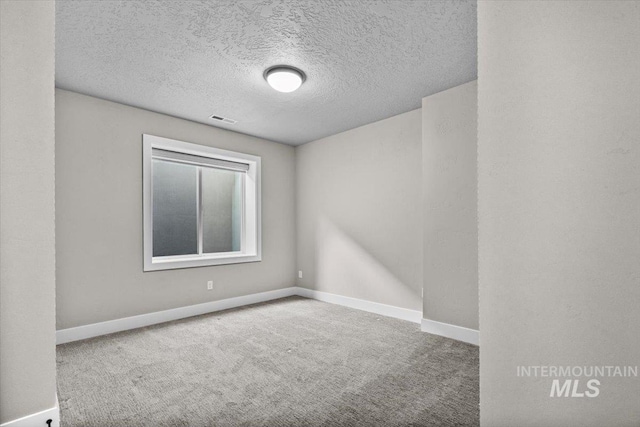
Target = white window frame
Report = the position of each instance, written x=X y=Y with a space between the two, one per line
x=251 y=241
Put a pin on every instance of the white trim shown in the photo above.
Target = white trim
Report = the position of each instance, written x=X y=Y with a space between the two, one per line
x=471 y=336
x=38 y=419
x=459 y=333
x=251 y=211
x=360 y=304
x=103 y=328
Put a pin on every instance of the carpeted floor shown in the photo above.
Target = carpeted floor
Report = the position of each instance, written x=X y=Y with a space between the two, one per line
x=290 y=362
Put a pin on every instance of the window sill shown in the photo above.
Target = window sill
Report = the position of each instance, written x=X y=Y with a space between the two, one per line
x=174 y=262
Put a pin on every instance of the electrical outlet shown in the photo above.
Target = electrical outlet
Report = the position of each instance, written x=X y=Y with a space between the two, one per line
x=299 y=274
x=210 y=285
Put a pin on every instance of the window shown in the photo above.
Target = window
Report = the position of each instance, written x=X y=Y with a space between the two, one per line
x=201 y=205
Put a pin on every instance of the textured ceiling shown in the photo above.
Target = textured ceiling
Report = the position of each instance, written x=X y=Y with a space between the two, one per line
x=364 y=60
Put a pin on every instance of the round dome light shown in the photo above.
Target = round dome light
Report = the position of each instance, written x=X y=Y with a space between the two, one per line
x=284 y=78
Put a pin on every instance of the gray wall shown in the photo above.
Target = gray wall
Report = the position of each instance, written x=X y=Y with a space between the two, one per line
x=559 y=206
x=99 y=215
x=449 y=143
x=359 y=212
x=27 y=248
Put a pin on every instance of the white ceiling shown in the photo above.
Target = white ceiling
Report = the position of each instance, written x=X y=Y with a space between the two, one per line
x=364 y=60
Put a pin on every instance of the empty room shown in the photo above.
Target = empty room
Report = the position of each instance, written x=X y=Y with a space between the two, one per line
x=290 y=213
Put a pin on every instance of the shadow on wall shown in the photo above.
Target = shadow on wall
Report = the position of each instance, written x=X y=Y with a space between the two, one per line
x=345 y=268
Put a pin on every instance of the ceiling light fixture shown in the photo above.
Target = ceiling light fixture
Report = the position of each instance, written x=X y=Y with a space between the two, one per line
x=284 y=78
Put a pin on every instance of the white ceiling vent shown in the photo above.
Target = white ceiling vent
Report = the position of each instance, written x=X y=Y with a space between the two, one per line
x=223 y=119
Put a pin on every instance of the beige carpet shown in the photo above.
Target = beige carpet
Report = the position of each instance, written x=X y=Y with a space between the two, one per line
x=290 y=362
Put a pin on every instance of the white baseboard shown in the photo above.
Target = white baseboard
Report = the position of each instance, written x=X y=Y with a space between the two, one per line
x=373 y=307
x=111 y=326
x=133 y=322
x=459 y=333
x=39 y=419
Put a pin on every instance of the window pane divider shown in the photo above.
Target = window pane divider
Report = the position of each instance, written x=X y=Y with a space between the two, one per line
x=199 y=201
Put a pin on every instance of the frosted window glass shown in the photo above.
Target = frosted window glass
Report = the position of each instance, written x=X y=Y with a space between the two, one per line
x=175 y=209
x=221 y=210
